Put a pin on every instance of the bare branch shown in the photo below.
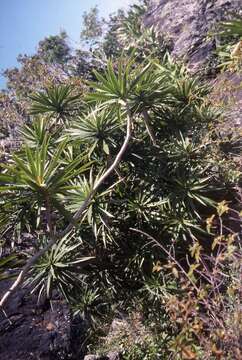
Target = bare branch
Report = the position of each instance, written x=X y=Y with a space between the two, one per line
x=168 y=254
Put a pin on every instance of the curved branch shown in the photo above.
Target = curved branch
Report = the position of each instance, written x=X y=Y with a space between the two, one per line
x=79 y=214
x=77 y=217
x=25 y=269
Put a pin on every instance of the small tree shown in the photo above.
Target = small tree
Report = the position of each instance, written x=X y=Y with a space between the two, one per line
x=92 y=26
x=55 y=49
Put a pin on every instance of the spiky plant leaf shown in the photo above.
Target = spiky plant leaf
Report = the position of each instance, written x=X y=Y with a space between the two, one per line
x=59 y=268
x=58 y=100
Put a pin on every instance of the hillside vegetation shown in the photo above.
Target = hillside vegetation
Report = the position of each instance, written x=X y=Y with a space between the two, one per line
x=120 y=193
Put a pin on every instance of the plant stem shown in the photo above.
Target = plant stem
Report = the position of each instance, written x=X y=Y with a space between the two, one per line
x=77 y=217
x=168 y=254
x=149 y=127
x=48 y=216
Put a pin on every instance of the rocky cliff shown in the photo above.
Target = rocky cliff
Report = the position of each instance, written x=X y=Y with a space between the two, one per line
x=188 y=24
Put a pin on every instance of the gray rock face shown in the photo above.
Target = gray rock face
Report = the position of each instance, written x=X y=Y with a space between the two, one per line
x=36 y=332
x=187 y=23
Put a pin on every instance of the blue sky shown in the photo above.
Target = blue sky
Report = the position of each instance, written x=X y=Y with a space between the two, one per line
x=25 y=22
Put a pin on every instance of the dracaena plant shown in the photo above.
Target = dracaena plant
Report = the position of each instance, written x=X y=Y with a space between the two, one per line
x=158 y=187
x=59 y=102
x=41 y=175
x=97 y=215
x=130 y=30
x=34 y=133
x=42 y=172
x=229 y=52
x=132 y=89
x=115 y=86
x=61 y=266
x=94 y=170
x=97 y=129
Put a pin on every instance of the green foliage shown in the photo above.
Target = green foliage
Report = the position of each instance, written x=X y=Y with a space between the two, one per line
x=60 y=266
x=41 y=173
x=58 y=100
x=92 y=27
x=97 y=129
x=230 y=50
x=54 y=49
x=167 y=184
x=115 y=88
x=231 y=28
x=97 y=215
x=146 y=351
x=36 y=133
x=111 y=45
x=229 y=61
x=134 y=35
x=165 y=188
x=131 y=27
x=11 y=261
